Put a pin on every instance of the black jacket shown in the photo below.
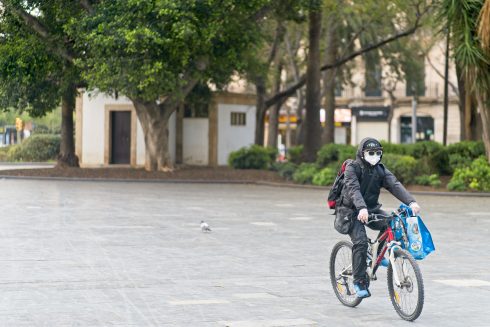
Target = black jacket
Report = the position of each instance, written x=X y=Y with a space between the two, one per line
x=364 y=192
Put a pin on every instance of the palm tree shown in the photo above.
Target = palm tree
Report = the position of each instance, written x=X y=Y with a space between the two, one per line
x=469 y=22
x=484 y=97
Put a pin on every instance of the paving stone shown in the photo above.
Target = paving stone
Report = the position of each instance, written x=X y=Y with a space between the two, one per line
x=130 y=254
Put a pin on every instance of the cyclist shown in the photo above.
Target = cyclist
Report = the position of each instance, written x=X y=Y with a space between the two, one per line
x=363 y=179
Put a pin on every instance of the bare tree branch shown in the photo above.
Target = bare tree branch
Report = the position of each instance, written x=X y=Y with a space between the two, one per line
x=301 y=82
x=441 y=75
x=280 y=30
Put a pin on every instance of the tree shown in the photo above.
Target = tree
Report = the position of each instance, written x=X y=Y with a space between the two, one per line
x=262 y=68
x=259 y=71
x=378 y=23
x=313 y=75
x=155 y=52
x=37 y=71
x=466 y=19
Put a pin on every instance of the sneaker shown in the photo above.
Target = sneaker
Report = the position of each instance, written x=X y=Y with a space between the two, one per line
x=385 y=262
x=361 y=290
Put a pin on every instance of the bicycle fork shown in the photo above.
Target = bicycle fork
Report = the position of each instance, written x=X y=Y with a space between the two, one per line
x=392 y=247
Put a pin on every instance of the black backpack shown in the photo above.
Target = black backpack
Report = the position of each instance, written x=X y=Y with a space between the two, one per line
x=338 y=184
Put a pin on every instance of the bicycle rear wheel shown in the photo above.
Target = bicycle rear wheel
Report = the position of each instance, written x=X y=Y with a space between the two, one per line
x=341 y=274
x=408 y=298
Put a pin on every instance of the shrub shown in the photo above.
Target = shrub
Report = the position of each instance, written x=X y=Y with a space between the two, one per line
x=294 y=154
x=334 y=154
x=285 y=169
x=403 y=167
x=475 y=177
x=324 y=177
x=463 y=153
x=432 y=156
x=304 y=173
x=4 y=153
x=36 y=148
x=432 y=180
x=393 y=148
x=253 y=157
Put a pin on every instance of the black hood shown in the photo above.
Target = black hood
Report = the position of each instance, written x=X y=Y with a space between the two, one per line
x=363 y=146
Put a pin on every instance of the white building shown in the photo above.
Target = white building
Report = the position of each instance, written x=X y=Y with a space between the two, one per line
x=108 y=131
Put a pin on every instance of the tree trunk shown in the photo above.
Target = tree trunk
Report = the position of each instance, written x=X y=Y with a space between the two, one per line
x=485 y=119
x=274 y=112
x=67 y=156
x=461 y=104
x=300 y=131
x=471 y=123
x=273 y=126
x=329 y=82
x=260 y=110
x=154 y=121
x=313 y=74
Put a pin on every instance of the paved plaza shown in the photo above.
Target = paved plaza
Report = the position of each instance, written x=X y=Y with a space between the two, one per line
x=133 y=254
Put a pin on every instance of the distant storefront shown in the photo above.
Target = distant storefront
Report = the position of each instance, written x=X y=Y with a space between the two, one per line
x=369 y=121
x=372 y=121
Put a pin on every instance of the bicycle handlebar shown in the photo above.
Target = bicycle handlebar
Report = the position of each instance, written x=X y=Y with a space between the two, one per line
x=375 y=217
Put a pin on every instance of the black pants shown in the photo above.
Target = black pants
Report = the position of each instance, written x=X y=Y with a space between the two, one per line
x=359 y=240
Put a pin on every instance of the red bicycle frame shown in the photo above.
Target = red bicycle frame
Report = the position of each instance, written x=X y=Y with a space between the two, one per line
x=387 y=237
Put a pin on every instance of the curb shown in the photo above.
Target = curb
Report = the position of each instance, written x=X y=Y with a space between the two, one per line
x=229 y=182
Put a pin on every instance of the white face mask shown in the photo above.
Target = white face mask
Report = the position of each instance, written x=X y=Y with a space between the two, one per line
x=372 y=159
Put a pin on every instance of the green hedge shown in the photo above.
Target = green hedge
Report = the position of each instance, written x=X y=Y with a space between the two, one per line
x=284 y=169
x=421 y=163
x=462 y=154
x=253 y=157
x=475 y=177
x=429 y=180
x=325 y=177
x=294 y=154
x=333 y=155
x=403 y=167
x=37 y=148
x=304 y=173
x=4 y=153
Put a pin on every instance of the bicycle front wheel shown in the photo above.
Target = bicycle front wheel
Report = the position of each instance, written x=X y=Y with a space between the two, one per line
x=341 y=274
x=408 y=297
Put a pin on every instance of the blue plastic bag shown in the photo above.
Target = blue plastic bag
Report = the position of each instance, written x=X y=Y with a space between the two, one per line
x=420 y=242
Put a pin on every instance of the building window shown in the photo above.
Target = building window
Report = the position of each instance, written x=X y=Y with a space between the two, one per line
x=338 y=89
x=238 y=119
x=373 y=76
x=425 y=129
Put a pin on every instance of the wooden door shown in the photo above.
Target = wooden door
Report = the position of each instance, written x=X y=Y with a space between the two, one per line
x=120 y=137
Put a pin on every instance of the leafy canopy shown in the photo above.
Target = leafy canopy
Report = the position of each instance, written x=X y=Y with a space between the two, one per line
x=151 y=48
x=33 y=76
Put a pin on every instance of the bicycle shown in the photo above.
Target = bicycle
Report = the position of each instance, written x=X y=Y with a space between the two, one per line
x=405 y=283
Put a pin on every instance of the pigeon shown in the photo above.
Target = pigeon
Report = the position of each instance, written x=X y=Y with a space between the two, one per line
x=205 y=227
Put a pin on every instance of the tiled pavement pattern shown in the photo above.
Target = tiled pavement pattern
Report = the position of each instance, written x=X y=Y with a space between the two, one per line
x=132 y=254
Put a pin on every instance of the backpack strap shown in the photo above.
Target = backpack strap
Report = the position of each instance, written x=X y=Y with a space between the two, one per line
x=358 y=170
x=381 y=170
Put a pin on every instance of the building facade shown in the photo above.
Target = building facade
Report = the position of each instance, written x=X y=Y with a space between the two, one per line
x=108 y=131
x=364 y=104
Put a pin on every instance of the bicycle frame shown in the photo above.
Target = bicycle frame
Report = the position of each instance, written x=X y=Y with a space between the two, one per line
x=390 y=245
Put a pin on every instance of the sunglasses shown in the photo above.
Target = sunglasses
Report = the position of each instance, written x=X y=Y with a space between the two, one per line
x=372 y=153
